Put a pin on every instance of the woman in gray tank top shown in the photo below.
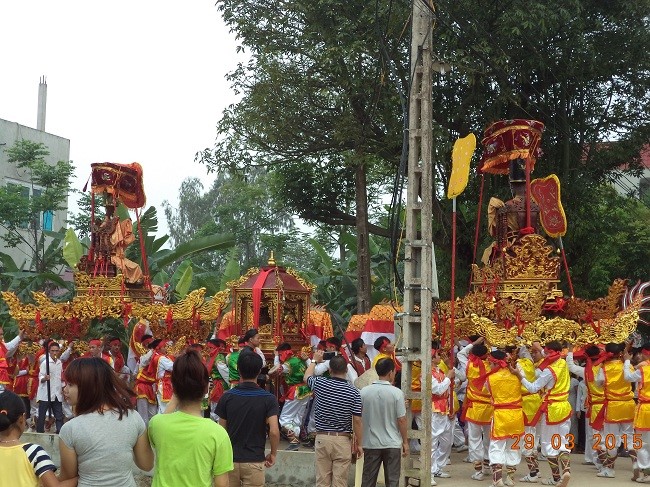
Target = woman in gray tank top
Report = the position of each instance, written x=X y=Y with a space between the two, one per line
x=106 y=436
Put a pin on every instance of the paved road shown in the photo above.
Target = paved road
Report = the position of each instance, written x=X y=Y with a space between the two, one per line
x=581 y=475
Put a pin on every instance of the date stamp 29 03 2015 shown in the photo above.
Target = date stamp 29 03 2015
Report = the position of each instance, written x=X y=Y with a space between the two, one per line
x=568 y=442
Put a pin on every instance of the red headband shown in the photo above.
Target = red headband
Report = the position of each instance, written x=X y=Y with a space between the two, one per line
x=96 y=342
x=549 y=352
x=162 y=344
x=646 y=350
x=116 y=340
x=147 y=341
x=284 y=355
x=501 y=363
x=384 y=344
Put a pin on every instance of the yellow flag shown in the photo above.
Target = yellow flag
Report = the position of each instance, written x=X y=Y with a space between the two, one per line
x=461 y=156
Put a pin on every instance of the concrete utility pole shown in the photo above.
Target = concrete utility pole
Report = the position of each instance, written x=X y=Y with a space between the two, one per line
x=420 y=280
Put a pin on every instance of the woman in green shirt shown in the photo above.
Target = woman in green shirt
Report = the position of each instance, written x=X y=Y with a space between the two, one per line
x=191 y=450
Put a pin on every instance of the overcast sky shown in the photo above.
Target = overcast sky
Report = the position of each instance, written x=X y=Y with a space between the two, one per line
x=136 y=80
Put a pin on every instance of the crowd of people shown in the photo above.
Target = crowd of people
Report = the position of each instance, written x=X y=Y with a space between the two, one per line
x=208 y=414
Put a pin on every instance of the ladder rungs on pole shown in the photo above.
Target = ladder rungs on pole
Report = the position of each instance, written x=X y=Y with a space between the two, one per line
x=412 y=395
x=415 y=434
x=411 y=357
x=412 y=472
x=418 y=243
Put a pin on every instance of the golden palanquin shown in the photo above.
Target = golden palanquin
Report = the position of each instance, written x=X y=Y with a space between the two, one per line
x=276 y=301
x=519 y=273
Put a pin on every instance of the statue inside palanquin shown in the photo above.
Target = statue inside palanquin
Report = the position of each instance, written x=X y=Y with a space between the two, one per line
x=290 y=323
x=112 y=236
x=507 y=221
x=265 y=316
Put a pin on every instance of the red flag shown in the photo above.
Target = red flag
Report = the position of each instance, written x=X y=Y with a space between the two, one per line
x=546 y=193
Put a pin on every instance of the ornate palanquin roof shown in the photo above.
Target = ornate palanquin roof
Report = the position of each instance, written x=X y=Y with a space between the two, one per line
x=279 y=278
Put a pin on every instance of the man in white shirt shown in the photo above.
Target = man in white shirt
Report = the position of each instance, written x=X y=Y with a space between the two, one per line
x=384 y=427
x=49 y=375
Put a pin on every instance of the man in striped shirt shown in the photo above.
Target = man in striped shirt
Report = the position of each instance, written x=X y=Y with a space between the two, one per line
x=337 y=413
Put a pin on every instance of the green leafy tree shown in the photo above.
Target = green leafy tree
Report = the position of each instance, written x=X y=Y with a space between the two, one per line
x=317 y=73
x=614 y=232
x=23 y=207
x=330 y=74
x=80 y=220
x=239 y=203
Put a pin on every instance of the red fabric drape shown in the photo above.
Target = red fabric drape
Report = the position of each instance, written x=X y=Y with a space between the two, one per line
x=257 y=295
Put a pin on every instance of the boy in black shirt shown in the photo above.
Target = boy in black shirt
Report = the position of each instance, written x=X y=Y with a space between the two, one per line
x=245 y=411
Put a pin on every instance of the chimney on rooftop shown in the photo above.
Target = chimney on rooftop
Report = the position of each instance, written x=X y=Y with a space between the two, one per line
x=42 y=101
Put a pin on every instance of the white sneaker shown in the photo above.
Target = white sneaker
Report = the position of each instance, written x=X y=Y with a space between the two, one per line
x=448 y=462
x=531 y=479
x=478 y=475
x=607 y=473
x=462 y=448
x=644 y=480
x=433 y=481
x=442 y=474
x=549 y=481
x=508 y=481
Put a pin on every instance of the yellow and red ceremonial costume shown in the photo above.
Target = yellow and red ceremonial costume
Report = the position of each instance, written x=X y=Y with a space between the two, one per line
x=595 y=393
x=642 y=414
x=443 y=366
x=4 y=366
x=416 y=385
x=118 y=362
x=531 y=402
x=12 y=364
x=144 y=382
x=165 y=382
x=439 y=402
x=21 y=383
x=505 y=390
x=32 y=383
x=619 y=399
x=477 y=407
x=555 y=402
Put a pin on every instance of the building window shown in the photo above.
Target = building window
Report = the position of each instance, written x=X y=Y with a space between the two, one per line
x=44 y=220
x=48 y=216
